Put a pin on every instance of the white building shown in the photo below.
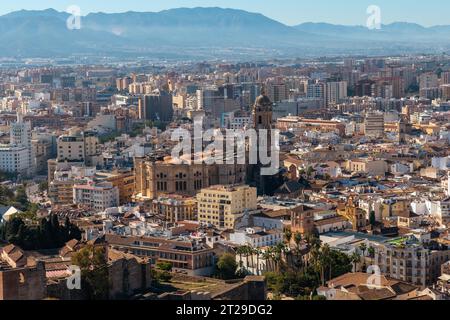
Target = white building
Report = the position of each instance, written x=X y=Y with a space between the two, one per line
x=257 y=237
x=400 y=169
x=441 y=210
x=440 y=163
x=98 y=196
x=17 y=157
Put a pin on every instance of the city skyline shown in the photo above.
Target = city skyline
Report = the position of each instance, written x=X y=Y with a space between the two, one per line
x=353 y=12
x=187 y=154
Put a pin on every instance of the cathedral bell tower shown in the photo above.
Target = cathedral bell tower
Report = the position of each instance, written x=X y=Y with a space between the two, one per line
x=262 y=112
x=263 y=124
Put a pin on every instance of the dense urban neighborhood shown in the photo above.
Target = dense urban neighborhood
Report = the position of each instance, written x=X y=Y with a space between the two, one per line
x=119 y=180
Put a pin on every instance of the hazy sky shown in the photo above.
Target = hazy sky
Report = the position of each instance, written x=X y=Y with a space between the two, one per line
x=291 y=12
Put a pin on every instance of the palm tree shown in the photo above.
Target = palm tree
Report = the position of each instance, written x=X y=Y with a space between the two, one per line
x=267 y=256
x=298 y=241
x=248 y=253
x=363 y=248
x=257 y=252
x=313 y=241
x=288 y=235
x=326 y=257
x=319 y=265
x=371 y=252
x=355 y=258
x=240 y=251
x=278 y=252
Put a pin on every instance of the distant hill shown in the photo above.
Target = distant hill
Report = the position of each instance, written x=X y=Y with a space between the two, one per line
x=395 y=32
x=203 y=33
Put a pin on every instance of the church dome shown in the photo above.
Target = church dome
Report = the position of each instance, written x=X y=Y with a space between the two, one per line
x=263 y=100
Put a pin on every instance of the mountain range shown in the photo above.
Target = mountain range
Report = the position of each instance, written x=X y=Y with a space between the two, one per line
x=204 y=33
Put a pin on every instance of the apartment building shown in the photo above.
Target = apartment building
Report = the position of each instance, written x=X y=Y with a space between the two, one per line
x=368 y=166
x=187 y=257
x=124 y=180
x=175 y=208
x=222 y=206
x=98 y=196
x=63 y=177
x=374 y=125
x=408 y=260
x=17 y=156
x=336 y=92
x=79 y=147
x=441 y=211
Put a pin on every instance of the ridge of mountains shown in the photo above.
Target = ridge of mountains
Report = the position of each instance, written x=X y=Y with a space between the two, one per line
x=205 y=33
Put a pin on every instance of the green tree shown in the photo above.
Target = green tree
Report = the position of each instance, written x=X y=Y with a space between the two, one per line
x=298 y=249
x=71 y=231
x=6 y=196
x=340 y=263
x=164 y=276
x=226 y=267
x=257 y=253
x=310 y=171
x=93 y=262
x=372 y=218
x=165 y=266
x=43 y=186
x=371 y=252
x=48 y=235
x=302 y=285
x=21 y=198
x=288 y=235
x=363 y=248
x=248 y=251
x=355 y=259
x=240 y=251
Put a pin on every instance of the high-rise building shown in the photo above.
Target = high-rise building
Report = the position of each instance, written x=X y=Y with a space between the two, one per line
x=123 y=83
x=445 y=92
x=17 y=157
x=224 y=206
x=277 y=91
x=445 y=78
x=156 y=107
x=336 y=92
x=206 y=98
x=428 y=80
x=316 y=91
x=364 y=88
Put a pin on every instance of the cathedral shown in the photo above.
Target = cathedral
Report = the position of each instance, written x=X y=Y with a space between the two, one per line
x=156 y=178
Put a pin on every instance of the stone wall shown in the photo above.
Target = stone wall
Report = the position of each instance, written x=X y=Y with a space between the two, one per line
x=28 y=283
